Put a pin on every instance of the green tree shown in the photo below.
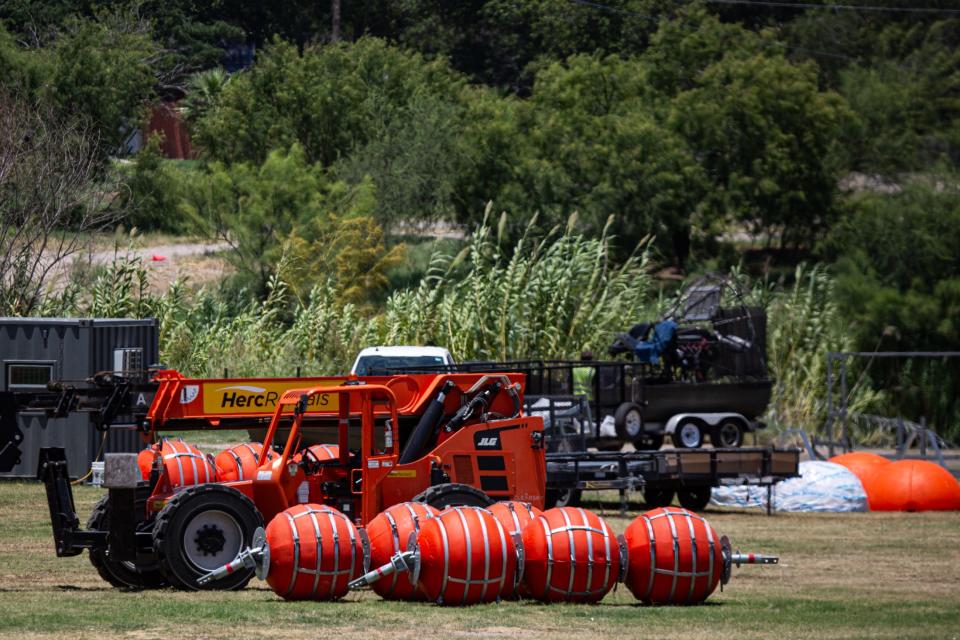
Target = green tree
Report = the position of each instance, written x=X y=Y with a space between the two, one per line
x=153 y=191
x=103 y=70
x=254 y=207
x=203 y=90
x=330 y=100
x=768 y=138
x=590 y=142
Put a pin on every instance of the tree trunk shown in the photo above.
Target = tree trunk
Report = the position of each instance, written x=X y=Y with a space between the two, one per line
x=335 y=21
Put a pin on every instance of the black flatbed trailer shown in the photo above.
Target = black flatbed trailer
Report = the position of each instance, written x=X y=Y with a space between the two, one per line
x=659 y=475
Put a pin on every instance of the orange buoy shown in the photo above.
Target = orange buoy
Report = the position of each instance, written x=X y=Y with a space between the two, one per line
x=862 y=464
x=314 y=551
x=389 y=534
x=515 y=516
x=323 y=452
x=185 y=465
x=570 y=555
x=240 y=462
x=914 y=485
x=145 y=460
x=675 y=557
x=465 y=557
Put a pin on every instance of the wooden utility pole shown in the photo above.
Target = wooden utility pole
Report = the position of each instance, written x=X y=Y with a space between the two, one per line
x=335 y=27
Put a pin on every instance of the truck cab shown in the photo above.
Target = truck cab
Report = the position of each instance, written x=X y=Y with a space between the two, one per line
x=376 y=360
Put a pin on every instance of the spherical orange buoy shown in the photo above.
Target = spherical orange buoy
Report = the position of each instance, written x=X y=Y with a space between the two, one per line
x=571 y=555
x=240 y=462
x=314 y=551
x=145 y=460
x=862 y=464
x=914 y=485
x=324 y=452
x=389 y=533
x=185 y=465
x=466 y=557
x=515 y=516
x=675 y=557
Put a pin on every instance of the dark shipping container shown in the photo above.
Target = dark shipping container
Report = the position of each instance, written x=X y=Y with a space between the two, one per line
x=35 y=351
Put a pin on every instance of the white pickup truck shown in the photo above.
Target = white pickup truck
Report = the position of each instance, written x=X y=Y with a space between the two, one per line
x=374 y=359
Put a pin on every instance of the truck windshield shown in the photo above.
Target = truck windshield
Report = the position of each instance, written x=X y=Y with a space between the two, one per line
x=379 y=365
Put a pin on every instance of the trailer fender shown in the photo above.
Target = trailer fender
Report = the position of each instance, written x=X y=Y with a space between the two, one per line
x=709 y=419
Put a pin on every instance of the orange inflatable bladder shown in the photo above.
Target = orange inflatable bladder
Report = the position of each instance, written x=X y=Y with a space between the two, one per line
x=913 y=485
x=315 y=551
x=466 y=557
x=862 y=464
x=571 y=555
x=184 y=463
x=515 y=516
x=389 y=533
x=240 y=462
x=675 y=557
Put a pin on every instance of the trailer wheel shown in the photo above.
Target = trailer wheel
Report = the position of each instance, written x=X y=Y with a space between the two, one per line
x=687 y=435
x=120 y=574
x=203 y=528
x=628 y=422
x=649 y=442
x=453 y=494
x=694 y=498
x=657 y=497
x=561 y=498
x=728 y=435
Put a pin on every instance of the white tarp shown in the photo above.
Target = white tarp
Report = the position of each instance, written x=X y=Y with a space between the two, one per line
x=822 y=486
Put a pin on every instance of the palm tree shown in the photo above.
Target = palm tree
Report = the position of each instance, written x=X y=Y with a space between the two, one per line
x=203 y=90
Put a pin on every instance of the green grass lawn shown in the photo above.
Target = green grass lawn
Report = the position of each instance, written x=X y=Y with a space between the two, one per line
x=841 y=576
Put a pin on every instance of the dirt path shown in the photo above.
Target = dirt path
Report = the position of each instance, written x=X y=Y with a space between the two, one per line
x=196 y=261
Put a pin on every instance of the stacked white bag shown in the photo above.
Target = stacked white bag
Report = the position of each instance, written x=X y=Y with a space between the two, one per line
x=822 y=487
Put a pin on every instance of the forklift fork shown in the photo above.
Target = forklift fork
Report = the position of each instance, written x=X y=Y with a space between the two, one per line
x=69 y=538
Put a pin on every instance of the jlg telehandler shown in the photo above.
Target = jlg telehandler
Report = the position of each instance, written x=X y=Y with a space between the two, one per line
x=470 y=445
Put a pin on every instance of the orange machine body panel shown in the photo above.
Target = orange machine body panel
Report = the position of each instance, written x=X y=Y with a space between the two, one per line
x=502 y=457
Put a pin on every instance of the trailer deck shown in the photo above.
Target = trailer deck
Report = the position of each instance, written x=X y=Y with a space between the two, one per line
x=658 y=473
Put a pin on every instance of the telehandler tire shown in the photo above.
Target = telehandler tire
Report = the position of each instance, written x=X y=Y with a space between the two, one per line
x=201 y=529
x=452 y=494
x=121 y=574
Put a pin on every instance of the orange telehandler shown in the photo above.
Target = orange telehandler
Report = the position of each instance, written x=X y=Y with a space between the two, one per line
x=443 y=439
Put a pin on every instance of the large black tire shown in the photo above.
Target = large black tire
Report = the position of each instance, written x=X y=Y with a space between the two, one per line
x=727 y=435
x=628 y=421
x=649 y=442
x=120 y=574
x=564 y=498
x=608 y=446
x=657 y=497
x=688 y=435
x=453 y=494
x=694 y=498
x=202 y=528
